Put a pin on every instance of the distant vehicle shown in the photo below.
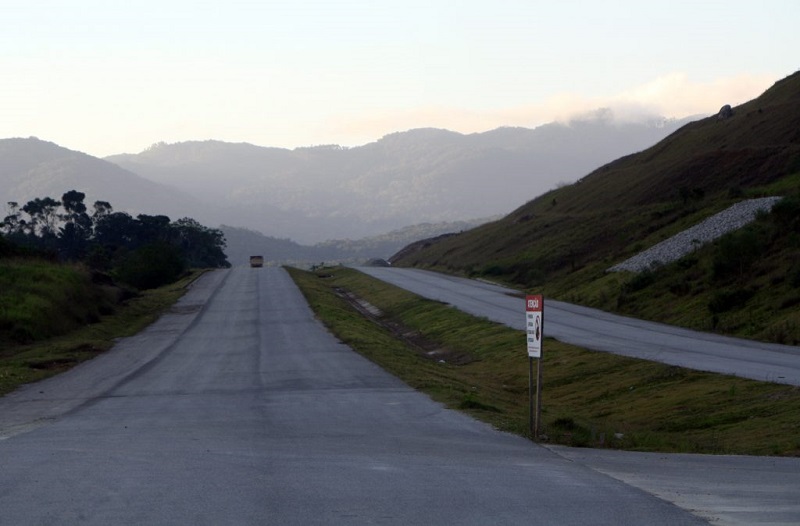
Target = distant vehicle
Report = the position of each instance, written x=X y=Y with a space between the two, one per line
x=256 y=261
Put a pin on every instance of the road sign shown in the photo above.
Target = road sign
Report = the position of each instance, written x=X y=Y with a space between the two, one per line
x=534 y=305
x=534 y=327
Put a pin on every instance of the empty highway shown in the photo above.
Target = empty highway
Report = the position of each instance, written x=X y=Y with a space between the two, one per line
x=238 y=407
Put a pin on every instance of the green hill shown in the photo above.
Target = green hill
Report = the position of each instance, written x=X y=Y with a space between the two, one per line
x=563 y=242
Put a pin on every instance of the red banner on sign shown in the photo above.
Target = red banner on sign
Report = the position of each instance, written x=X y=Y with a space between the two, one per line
x=534 y=303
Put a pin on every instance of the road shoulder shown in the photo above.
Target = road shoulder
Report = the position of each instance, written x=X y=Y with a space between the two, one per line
x=34 y=405
x=723 y=489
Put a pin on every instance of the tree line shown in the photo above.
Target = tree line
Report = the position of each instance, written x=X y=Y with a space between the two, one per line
x=144 y=251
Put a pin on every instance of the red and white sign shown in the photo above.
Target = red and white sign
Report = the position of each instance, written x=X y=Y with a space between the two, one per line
x=534 y=308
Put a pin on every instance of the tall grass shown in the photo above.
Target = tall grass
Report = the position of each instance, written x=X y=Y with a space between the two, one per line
x=53 y=317
x=40 y=299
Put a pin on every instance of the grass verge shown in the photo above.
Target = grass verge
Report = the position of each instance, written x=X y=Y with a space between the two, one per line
x=589 y=398
x=20 y=364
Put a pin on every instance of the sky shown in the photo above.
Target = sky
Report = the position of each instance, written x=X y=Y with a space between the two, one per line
x=107 y=76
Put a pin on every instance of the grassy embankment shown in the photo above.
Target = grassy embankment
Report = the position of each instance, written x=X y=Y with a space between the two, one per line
x=562 y=243
x=52 y=317
x=745 y=284
x=590 y=398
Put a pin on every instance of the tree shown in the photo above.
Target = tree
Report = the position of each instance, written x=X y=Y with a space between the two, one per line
x=201 y=246
x=76 y=231
x=101 y=209
x=115 y=230
x=72 y=202
x=152 y=229
x=13 y=225
x=145 y=251
x=44 y=216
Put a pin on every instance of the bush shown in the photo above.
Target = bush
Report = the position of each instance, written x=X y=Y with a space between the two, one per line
x=736 y=253
x=728 y=300
x=786 y=214
x=794 y=276
x=495 y=270
x=151 y=266
x=640 y=281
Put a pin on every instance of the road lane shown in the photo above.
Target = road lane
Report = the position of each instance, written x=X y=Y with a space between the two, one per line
x=242 y=409
x=602 y=331
x=732 y=490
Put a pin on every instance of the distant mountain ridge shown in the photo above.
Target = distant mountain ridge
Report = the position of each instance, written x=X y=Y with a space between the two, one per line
x=326 y=192
x=31 y=168
x=345 y=200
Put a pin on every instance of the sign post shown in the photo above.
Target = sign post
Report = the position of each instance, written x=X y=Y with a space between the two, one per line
x=534 y=328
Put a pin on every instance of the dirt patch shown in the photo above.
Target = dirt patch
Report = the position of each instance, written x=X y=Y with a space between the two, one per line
x=52 y=365
x=413 y=339
x=185 y=309
x=62 y=363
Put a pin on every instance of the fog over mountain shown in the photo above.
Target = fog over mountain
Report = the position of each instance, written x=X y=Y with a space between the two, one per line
x=424 y=175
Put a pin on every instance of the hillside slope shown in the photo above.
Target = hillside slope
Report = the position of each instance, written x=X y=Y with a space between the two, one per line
x=563 y=241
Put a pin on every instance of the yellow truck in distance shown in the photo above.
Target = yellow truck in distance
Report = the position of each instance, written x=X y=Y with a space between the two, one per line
x=256 y=261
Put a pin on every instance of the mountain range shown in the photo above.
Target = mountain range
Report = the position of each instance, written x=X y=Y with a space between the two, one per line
x=425 y=175
x=318 y=194
x=31 y=168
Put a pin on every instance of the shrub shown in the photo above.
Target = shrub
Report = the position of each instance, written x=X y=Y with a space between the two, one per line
x=728 y=300
x=786 y=214
x=640 y=281
x=495 y=270
x=151 y=266
x=736 y=253
x=794 y=276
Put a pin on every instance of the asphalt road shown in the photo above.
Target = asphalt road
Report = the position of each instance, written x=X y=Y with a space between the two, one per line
x=601 y=331
x=730 y=490
x=726 y=490
x=239 y=408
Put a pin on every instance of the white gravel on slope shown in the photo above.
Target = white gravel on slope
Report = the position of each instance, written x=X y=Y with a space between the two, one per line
x=690 y=239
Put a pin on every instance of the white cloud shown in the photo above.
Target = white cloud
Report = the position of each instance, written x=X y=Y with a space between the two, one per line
x=673 y=96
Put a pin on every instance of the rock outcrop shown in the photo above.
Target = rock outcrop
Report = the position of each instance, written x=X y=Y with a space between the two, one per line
x=725 y=112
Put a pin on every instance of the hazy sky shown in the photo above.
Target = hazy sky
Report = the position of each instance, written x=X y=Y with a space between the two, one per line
x=110 y=76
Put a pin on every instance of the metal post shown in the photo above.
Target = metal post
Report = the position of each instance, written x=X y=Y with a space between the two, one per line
x=531 y=418
x=537 y=426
